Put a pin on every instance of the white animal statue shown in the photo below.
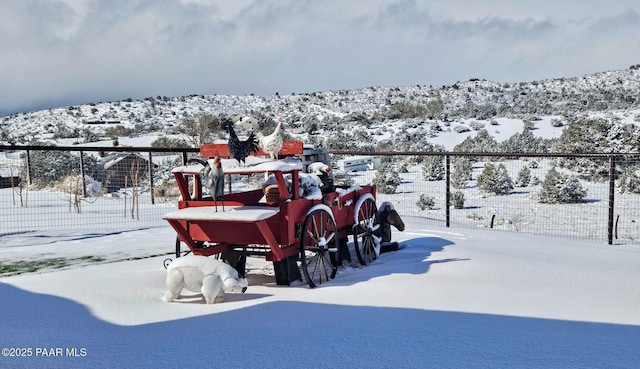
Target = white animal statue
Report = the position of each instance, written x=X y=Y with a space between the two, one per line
x=272 y=144
x=203 y=274
x=318 y=168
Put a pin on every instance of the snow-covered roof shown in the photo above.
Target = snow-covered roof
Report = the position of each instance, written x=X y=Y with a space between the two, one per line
x=112 y=159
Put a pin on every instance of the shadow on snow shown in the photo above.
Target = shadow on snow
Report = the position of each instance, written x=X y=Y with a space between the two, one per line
x=298 y=334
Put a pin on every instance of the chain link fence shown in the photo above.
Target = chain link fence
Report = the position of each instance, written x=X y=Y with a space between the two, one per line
x=84 y=191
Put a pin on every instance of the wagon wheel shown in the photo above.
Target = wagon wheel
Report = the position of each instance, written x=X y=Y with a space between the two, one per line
x=178 y=251
x=319 y=238
x=367 y=223
x=178 y=246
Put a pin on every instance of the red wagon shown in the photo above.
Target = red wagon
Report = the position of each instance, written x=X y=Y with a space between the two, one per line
x=294 y=228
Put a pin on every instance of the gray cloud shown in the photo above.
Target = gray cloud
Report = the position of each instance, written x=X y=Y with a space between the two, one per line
x=77 y=51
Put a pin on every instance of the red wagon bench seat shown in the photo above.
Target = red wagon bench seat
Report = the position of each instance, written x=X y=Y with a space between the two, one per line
x=249 y=214
x=289 y=147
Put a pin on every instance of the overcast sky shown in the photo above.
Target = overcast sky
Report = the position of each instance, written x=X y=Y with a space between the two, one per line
x=63 y=52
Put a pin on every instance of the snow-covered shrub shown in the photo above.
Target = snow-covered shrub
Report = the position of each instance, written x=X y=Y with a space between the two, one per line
x=595 y=135
x=534 y=181
x=402 y=167
x=433 y=168
x=48 y=167
x=528 y=125
x=586 y=168
x=416 y=140
x=495 y=179
x=386 y=179
x=426 y=202
x=524 y=141
x=462 y=129
x=482 y=142
x=630 y=180
x=93 y=187
x=560 y=188
x=72 y=184
x=461 y=172
x=476 y=126
x=338 y=140
x=555 y=122
x=164 y=141
x=457 y=198
x=524 y=176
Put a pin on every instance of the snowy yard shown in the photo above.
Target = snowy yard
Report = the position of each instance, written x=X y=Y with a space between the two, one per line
x=450 y=298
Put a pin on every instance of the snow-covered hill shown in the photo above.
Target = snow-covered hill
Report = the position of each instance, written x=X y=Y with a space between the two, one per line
x=596 y=94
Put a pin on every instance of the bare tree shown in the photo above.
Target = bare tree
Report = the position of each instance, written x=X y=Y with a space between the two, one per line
x=200 y=130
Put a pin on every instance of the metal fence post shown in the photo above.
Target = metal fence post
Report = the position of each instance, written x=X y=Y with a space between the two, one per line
x=612 y=188
x=447 y=160
x=153 y=200
x=29 y=168
x=84 y=185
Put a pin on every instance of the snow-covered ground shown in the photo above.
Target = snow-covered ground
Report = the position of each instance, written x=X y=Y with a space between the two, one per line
x=449 y=298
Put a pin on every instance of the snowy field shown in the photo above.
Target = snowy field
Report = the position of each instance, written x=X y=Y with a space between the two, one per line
x=520 y=211
x=449 y=298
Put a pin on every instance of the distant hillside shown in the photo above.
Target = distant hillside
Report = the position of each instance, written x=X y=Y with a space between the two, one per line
x=318 y=112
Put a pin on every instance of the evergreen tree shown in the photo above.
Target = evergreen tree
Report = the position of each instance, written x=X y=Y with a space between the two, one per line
x=47 y=167
x=482 y=142
x=386 y=179
x=630 y=180
x=559 y=188
x=461 y=172
x=571 y=190
x=524 y=177
x=495 y=179
x=550 y=193
x=523 y=142
x=433 y=169
x=457 y=198
x=426 y=202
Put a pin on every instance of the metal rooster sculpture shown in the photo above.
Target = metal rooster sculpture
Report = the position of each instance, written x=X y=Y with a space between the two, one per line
x=212 y=179
x=240 y=150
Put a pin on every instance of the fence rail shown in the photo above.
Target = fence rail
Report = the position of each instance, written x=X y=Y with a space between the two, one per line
x=605 y=214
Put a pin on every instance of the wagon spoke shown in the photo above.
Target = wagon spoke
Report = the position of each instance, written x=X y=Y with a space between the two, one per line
x=366 y=240
x=319 y=237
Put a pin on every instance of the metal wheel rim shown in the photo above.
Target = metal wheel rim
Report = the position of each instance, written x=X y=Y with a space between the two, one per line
x=319 y=237
x=365 y=241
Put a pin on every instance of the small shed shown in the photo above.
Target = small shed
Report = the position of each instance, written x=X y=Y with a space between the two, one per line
x=9 y=177
x=124 y=169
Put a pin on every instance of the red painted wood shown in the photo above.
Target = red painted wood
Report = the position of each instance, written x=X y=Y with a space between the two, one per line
x=289 y=147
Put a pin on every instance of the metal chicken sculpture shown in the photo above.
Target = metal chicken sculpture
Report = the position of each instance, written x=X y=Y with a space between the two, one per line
x=238 y=149
x=272 y=144
x=212 y=179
